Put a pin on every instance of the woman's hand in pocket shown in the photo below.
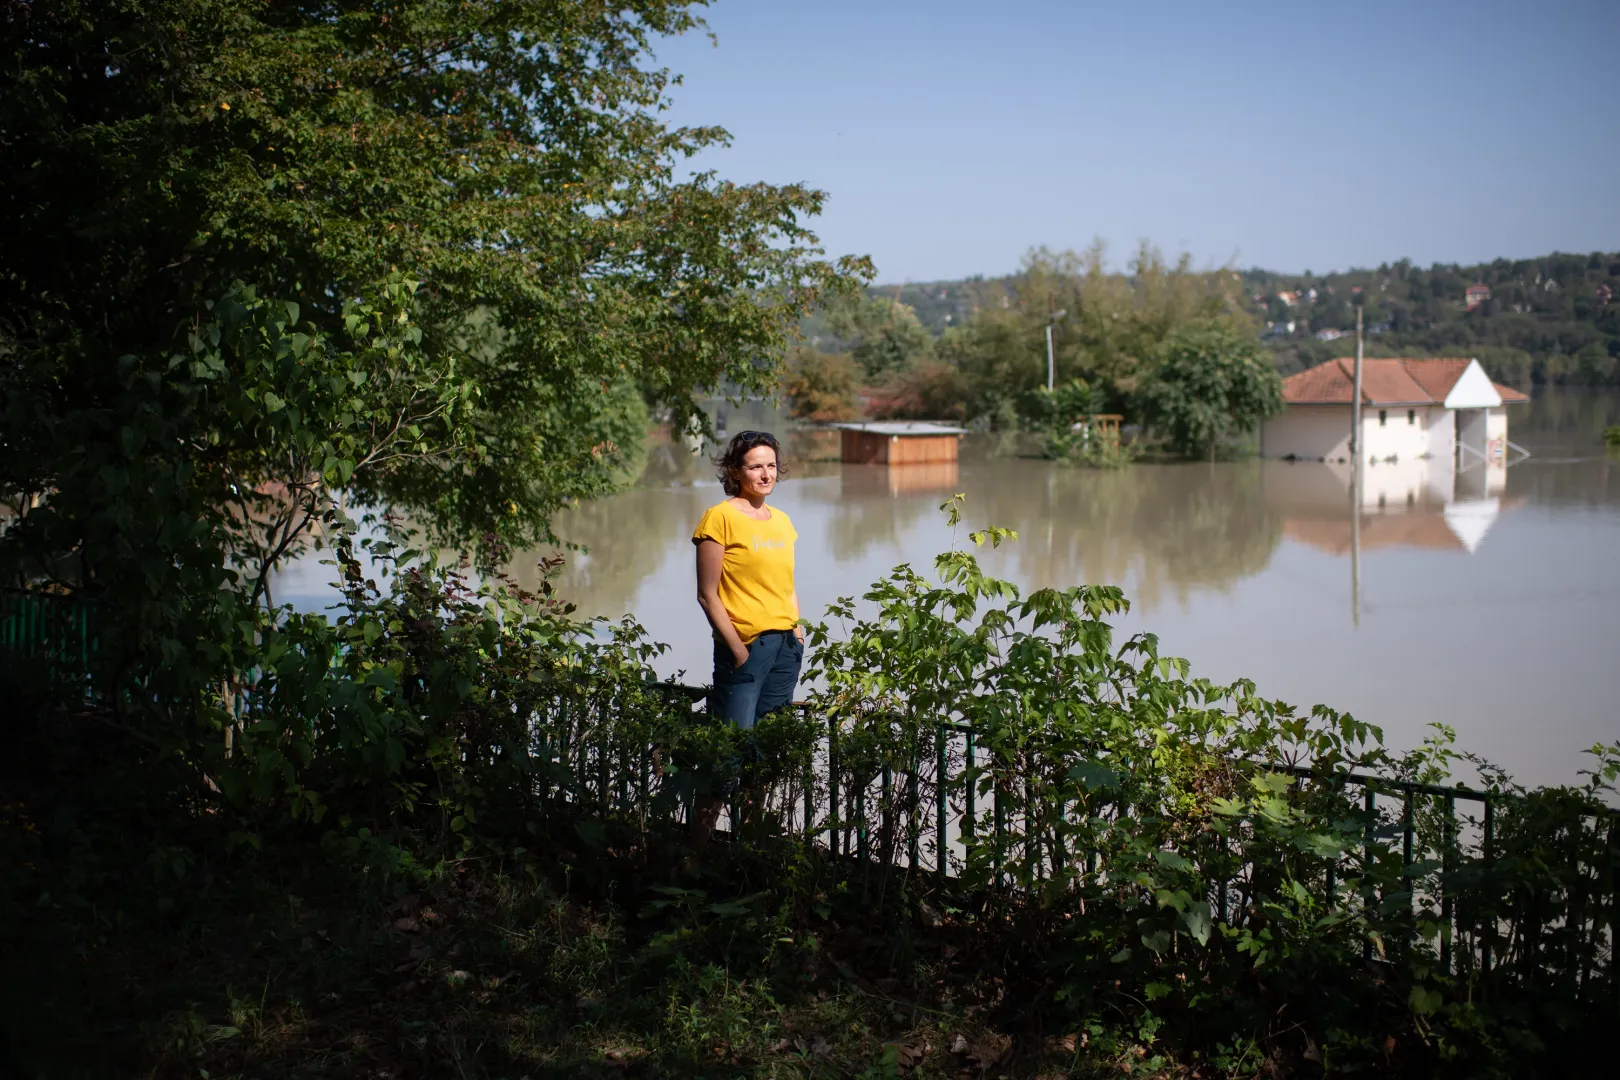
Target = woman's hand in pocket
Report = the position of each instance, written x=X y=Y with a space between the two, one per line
x=739 y=655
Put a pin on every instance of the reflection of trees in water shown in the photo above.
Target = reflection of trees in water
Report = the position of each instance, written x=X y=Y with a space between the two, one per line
x=1174 y=528
x=867 y=512
x=1565 y=422
x=1593 y=482
x=1167 y=529
x=628 y=537
x=1563 y=419
x=671 y=464
x=993 y=445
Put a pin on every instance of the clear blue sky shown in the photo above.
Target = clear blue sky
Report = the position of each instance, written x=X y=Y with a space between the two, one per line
x=952 y=137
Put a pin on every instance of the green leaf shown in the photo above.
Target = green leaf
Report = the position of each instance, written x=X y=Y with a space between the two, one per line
x=1172 y=860
x=1425 y=1002
x=1094 y=776
x=740 y=906
x=1198 y=920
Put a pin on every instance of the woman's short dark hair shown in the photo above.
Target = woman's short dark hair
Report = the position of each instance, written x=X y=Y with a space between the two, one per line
x=730 y=462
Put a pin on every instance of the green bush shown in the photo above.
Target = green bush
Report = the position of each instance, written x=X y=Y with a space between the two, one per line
x=822 y=386
x=1209 y=384
x=1144 y=842
x=1066 y=417
x=988 y=783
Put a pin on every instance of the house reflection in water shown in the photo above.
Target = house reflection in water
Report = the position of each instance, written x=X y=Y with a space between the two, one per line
x=1408 y=504
x=889 y=480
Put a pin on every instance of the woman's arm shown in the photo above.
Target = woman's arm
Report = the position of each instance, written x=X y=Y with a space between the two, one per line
x=798 y=631
x=711 y=559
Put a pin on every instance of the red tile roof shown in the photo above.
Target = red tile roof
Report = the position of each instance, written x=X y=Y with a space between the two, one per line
x=1394 y=381
x=1438 y=376
x=1377 y=531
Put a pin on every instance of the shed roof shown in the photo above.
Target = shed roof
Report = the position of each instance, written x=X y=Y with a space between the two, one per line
x=904 y=428
x=1384 y=381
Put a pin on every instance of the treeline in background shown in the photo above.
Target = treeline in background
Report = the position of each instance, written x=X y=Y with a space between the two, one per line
x=975 y=349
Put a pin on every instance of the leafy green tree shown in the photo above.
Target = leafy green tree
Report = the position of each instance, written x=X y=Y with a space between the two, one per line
x=822 y=386
x=508 y=155
x=1209 y=383
x=926 y=390
x=884 y=335
x=1112 y=322
x=266 y=261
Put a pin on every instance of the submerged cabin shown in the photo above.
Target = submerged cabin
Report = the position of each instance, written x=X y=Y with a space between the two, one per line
x=900 y=443
x=1409 y=409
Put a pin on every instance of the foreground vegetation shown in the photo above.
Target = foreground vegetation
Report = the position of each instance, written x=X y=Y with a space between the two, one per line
x=275 y=261
x=441 y=835
x=509 y=159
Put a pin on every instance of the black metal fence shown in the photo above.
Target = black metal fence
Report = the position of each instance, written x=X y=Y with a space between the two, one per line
x=1508 y=885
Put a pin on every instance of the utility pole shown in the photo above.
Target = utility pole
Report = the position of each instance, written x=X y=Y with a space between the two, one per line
x=1051 y=366
x=1051 y=371
x=1355 y=543
x=1359 y=299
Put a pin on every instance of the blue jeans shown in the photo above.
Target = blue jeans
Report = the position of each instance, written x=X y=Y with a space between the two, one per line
x=763 y=684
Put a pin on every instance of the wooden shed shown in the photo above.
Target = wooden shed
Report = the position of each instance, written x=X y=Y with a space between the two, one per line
x=899 y=443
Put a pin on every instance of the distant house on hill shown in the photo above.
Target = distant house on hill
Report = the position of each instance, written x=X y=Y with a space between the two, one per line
x=1409 y=409
x=1476 y=295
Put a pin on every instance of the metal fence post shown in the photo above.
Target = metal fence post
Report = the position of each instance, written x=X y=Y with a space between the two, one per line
x=942 y=791
x=1447 y=864
x=1488 y=930
x=1369 y=805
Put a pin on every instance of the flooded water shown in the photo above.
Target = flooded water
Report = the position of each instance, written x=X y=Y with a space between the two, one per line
x=1488 y=599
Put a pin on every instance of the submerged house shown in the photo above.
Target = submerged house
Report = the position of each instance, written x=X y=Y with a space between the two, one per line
x=1409 y=409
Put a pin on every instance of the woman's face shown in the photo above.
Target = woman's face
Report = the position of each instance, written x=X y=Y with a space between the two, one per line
x=757 y=477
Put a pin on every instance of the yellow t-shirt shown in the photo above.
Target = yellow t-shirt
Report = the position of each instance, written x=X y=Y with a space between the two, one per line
x=756 y=579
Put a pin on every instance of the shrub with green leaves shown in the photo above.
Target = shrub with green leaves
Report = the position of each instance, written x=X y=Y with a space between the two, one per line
x=1209 y=383
x=1165 y=847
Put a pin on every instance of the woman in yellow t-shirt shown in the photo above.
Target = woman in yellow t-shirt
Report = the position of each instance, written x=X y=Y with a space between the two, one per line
x=745 y=585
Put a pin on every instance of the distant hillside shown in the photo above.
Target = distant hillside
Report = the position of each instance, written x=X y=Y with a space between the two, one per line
x=1553 y=319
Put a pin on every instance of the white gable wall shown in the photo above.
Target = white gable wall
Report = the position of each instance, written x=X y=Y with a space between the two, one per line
x=1473 y=390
